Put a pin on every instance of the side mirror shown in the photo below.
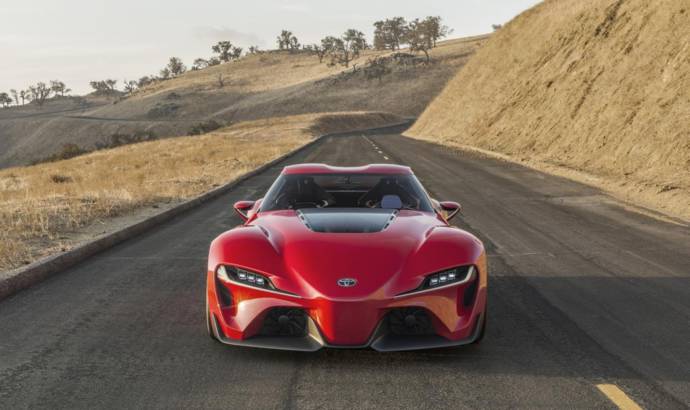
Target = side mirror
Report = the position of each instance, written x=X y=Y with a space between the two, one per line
x=242 y=207
x=450 y=208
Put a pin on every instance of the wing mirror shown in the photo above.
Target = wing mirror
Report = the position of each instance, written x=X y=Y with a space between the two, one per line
x=242 y=207
x=450 y=208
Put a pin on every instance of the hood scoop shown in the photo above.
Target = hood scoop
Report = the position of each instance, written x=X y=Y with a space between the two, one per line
x=347 y=220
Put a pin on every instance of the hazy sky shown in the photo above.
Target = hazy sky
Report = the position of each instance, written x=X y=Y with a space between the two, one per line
x=81 y=40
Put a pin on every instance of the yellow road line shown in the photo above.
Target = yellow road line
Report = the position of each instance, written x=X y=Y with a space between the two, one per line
x=618 y=397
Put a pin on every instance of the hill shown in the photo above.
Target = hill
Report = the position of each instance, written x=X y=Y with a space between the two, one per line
x=254 y=87
x=50 y=207
x=596 y=89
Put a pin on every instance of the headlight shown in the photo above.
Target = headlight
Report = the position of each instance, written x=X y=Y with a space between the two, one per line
x=446 y=277
x=459 y=275
x=239 y=275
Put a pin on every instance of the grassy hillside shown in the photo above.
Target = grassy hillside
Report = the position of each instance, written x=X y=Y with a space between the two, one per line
x=600 y=86
x=49 y=207
x=255 y=87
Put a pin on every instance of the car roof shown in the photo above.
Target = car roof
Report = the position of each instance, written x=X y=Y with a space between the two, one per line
x=387 y=169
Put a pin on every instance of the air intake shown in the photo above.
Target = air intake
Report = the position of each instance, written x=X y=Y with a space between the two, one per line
x=409 y=322
x=224 y=295
x=347 y=220
x=287 y=322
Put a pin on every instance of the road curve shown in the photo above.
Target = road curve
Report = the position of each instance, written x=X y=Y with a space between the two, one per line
x=583 y=293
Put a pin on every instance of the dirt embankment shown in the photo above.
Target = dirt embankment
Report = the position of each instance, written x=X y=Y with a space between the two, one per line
x=593 y=89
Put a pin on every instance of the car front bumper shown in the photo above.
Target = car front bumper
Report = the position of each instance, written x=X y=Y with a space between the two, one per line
x=381 y=340
x=348 y=324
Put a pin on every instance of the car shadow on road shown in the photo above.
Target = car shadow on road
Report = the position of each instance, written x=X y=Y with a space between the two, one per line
x=527 y=341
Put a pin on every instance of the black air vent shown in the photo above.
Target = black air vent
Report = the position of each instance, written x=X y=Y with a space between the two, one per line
x=224 y=294
x=345 y=220
x=410 y=321
x=285 y=322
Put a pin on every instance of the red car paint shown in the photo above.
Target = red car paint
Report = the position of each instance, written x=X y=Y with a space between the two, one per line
x=308 y=264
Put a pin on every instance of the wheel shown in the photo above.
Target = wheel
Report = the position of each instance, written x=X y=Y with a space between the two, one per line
x=209 y=326
x=481 y=332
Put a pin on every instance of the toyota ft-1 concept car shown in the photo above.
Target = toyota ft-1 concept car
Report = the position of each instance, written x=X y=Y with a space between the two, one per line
x=346 y=257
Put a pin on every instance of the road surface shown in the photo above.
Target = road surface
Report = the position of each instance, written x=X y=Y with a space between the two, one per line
x=583 y=293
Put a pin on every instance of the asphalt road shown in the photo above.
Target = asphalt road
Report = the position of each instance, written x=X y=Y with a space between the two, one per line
x=583 y=292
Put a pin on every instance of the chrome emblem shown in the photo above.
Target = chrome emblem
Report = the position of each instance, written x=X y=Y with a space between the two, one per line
x=347 y=282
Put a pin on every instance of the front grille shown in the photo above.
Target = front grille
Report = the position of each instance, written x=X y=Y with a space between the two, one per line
x=288 y=322
x=410 y=321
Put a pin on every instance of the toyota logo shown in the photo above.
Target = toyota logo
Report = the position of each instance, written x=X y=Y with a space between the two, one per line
x=347 y=282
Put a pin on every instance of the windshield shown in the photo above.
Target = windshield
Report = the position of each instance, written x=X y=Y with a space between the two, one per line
x=300 y=191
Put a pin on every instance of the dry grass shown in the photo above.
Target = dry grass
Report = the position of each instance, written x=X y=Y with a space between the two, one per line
x=42 y=206
x=258 y=73
x=595 y=87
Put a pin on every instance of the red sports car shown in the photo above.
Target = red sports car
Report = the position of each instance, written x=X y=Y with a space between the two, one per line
x=346 y=257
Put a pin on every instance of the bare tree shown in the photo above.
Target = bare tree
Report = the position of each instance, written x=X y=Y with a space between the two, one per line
x=5 y=99
x=380 y=36
x=435 y=29
x=329 y=42
x=344 y=50
x=389 y=33
x=176 y=67
x=130 y=86
x=104 y=87
x=418 y=39
x=24 y=95
x=355 y=41
x=326 y=47
x=59 y=88
x=288 y=41
x=294 y=44
x=199 y=64
x=226 y=52
x=40 y=93
x=320 y=51
x=164 y=74
x=144 y=81
x=15 y=95
x=224 y=49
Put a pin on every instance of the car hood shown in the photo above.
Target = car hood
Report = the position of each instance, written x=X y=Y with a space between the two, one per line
x=377 y=248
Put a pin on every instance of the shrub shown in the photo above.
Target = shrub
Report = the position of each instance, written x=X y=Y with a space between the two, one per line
x=162 y=110
x=61 y=179
x=205 y=127
x=119 y=139
x=377 y=68
x=67 y=151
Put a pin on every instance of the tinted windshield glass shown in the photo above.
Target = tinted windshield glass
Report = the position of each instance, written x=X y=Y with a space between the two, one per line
x=346 y=191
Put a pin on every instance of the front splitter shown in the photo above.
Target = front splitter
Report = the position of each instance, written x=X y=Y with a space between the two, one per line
x=380 y=340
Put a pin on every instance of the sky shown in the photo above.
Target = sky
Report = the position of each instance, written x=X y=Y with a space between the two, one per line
x=77 y=41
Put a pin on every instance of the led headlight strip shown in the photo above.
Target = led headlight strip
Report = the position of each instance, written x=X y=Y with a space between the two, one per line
x=233 y=274
x=446 y=278
x=244 y=277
